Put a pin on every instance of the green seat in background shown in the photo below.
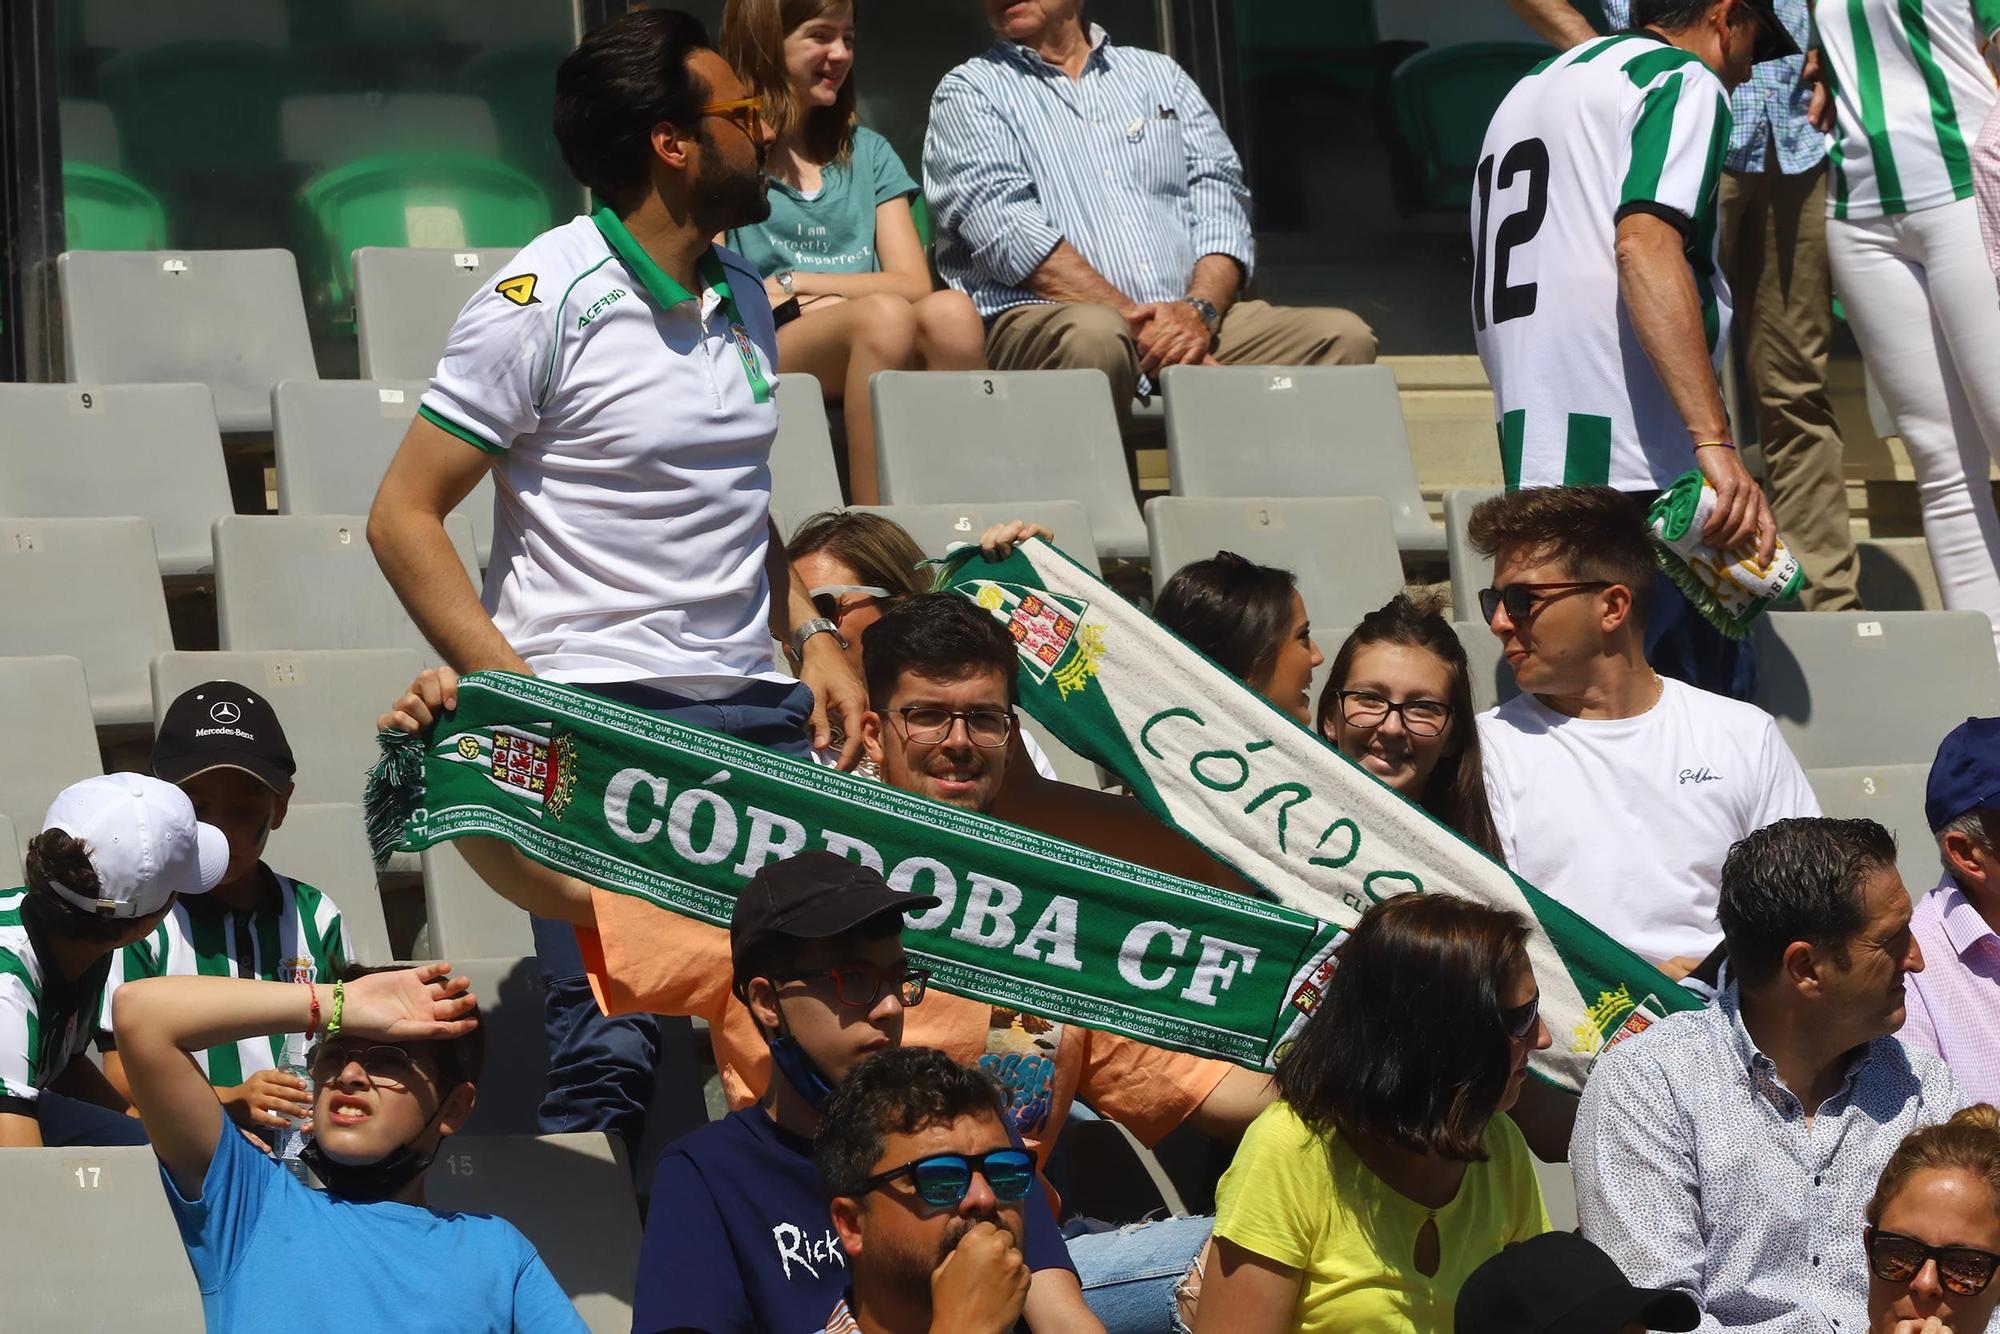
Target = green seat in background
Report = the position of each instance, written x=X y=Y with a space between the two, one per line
x=1443 y=99
x=920 y=214
x=423 y=200
x=197 y=106
x=108 y=210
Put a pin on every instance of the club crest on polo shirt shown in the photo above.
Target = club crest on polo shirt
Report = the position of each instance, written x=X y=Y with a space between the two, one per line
x=536 y=766
x=519 y=289
x=1048 y=632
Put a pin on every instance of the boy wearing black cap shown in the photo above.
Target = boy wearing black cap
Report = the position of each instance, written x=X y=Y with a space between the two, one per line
x=738 y=1237
x=222 y=744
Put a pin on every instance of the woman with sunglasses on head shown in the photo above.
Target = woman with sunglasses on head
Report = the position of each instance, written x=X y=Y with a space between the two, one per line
x=1387 y=1173
x=1250 y=621
x=1399 y=704
x=1933 y=1234
x=840 y=251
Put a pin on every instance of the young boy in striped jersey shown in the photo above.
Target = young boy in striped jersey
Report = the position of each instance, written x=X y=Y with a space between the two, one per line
x=112 y=855
x=222 y=744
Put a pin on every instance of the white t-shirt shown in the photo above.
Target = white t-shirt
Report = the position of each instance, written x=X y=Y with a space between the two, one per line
x=1618 y=125
x=632 y=424
x=1626 y=821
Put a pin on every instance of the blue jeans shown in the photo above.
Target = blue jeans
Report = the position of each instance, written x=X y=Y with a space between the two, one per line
x=1129 y=1273
x=601 y=1068
x=67 y=1122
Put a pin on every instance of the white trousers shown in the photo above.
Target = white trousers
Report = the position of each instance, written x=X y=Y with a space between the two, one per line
x=1921 y=299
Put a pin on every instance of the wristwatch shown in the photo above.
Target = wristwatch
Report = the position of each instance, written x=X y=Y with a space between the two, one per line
x=1206 y=309
x=784 y=277
x=818 y=625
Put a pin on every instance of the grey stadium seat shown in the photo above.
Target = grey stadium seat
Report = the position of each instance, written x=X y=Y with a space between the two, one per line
x=1296 y=431
x=510 y=993
x=941 y=436
x=302 y=581
x=327 y=701
x=939 y=528
x=571 y=1196
x=1892 y=795
x=44 y=713
x=1874 y=687
x=335 y=439
x=231 y=319
x=10 y=854
x=326 y=129
x=1558 y=1193
x=467 y=919
x=90 y=589
x=1343 y=549
x=326 y=846
x=804 y=477
x=1896 y=574
x=86 y=451
x=112 y=1196
x=1470 y=571
x=405 y=301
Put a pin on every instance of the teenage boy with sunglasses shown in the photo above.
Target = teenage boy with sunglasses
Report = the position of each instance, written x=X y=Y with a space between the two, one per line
x=395 y=1065
x=930 y=1196
x=737 y=1235
x=1614 y=789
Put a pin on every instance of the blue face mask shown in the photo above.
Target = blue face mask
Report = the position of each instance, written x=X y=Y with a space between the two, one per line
x=797 y=1068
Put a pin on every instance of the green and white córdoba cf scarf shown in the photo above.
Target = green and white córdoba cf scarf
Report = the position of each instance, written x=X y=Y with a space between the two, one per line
x=1289 y=812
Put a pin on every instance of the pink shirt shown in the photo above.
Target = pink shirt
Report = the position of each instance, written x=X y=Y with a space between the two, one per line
x=1954 y=1004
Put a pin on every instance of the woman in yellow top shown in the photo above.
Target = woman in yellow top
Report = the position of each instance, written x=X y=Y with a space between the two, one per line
x=1363 y=1199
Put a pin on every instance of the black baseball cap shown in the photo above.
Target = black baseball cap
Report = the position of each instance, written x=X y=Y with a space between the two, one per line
x=223 y=725
x=815 y=895
x=1558 y=1283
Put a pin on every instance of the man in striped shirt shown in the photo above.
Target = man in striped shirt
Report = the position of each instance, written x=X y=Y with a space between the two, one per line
x=1088 y=201
x=222 y=744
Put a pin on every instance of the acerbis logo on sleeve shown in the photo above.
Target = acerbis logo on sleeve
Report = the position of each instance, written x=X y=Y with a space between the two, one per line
x=519 y=289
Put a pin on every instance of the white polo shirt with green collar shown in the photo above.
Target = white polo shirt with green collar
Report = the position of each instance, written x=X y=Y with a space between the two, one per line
x=631 y=423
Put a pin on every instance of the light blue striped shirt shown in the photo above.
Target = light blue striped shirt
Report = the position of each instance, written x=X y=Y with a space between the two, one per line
x=1771 y=108
x=1127 y=163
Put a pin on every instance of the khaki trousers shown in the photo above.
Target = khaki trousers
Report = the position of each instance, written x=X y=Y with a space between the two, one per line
x=1774 y=251
x=1051 y=335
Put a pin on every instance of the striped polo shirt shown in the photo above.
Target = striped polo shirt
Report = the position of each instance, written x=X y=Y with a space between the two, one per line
x=44 y=1022
x=1127 y=163
x=1612 y=127
x=292 y=930
x=1911 y=90
x=630 y=423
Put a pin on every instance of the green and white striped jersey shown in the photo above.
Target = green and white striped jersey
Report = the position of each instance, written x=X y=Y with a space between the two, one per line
x=43 y=1024
x=1617 y=125
x=292 y=927
x=1910 y=93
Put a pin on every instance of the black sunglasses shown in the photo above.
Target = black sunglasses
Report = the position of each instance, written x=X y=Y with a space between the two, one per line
x=943 y=1179
x=1520 y=600
x=1519 y=1020
x=1895 y=1258
x=859 y=986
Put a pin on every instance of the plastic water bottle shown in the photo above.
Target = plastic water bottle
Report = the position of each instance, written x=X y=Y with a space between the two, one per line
x=288 y=1140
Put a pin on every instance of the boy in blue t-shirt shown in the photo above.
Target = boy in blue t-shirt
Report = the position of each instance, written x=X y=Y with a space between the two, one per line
x=738 y=1237
x=395 y=1067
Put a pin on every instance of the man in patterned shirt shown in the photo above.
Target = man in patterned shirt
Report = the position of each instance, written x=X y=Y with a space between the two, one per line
x=1089 y=203
x=1729 y=1152
x=1773 y=248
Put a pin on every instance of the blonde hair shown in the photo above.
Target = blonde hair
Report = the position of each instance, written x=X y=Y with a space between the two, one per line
x=1969 y=1142
x=753 y=41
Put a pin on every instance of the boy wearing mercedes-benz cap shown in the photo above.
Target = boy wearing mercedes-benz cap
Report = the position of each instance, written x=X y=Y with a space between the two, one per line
x=113 y=854
x=222 y=744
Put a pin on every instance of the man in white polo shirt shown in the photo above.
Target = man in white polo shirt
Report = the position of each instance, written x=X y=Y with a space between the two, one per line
x=617 y=380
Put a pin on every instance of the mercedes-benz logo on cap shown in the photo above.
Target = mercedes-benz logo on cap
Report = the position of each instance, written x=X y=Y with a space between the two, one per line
x=225 y=712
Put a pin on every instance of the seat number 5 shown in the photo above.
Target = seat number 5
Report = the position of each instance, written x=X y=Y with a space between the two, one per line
x=1508 y=301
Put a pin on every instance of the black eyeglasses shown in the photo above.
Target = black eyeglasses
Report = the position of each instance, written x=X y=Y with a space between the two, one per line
x=1895 y=1258
x=942 y=1179
x=1519 y=1020
x=826 y=598
x=391 y=1067
x=1520 y=600
x=928 y=726
x=1365 y=708
x=859 y=986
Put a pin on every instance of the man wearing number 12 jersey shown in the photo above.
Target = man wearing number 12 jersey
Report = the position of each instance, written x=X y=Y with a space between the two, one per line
x=1598 y=305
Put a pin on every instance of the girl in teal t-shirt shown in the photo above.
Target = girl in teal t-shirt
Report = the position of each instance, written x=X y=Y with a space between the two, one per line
x=840 y=238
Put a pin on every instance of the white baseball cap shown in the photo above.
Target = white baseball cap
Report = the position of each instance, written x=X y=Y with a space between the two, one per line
x=143 y=840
